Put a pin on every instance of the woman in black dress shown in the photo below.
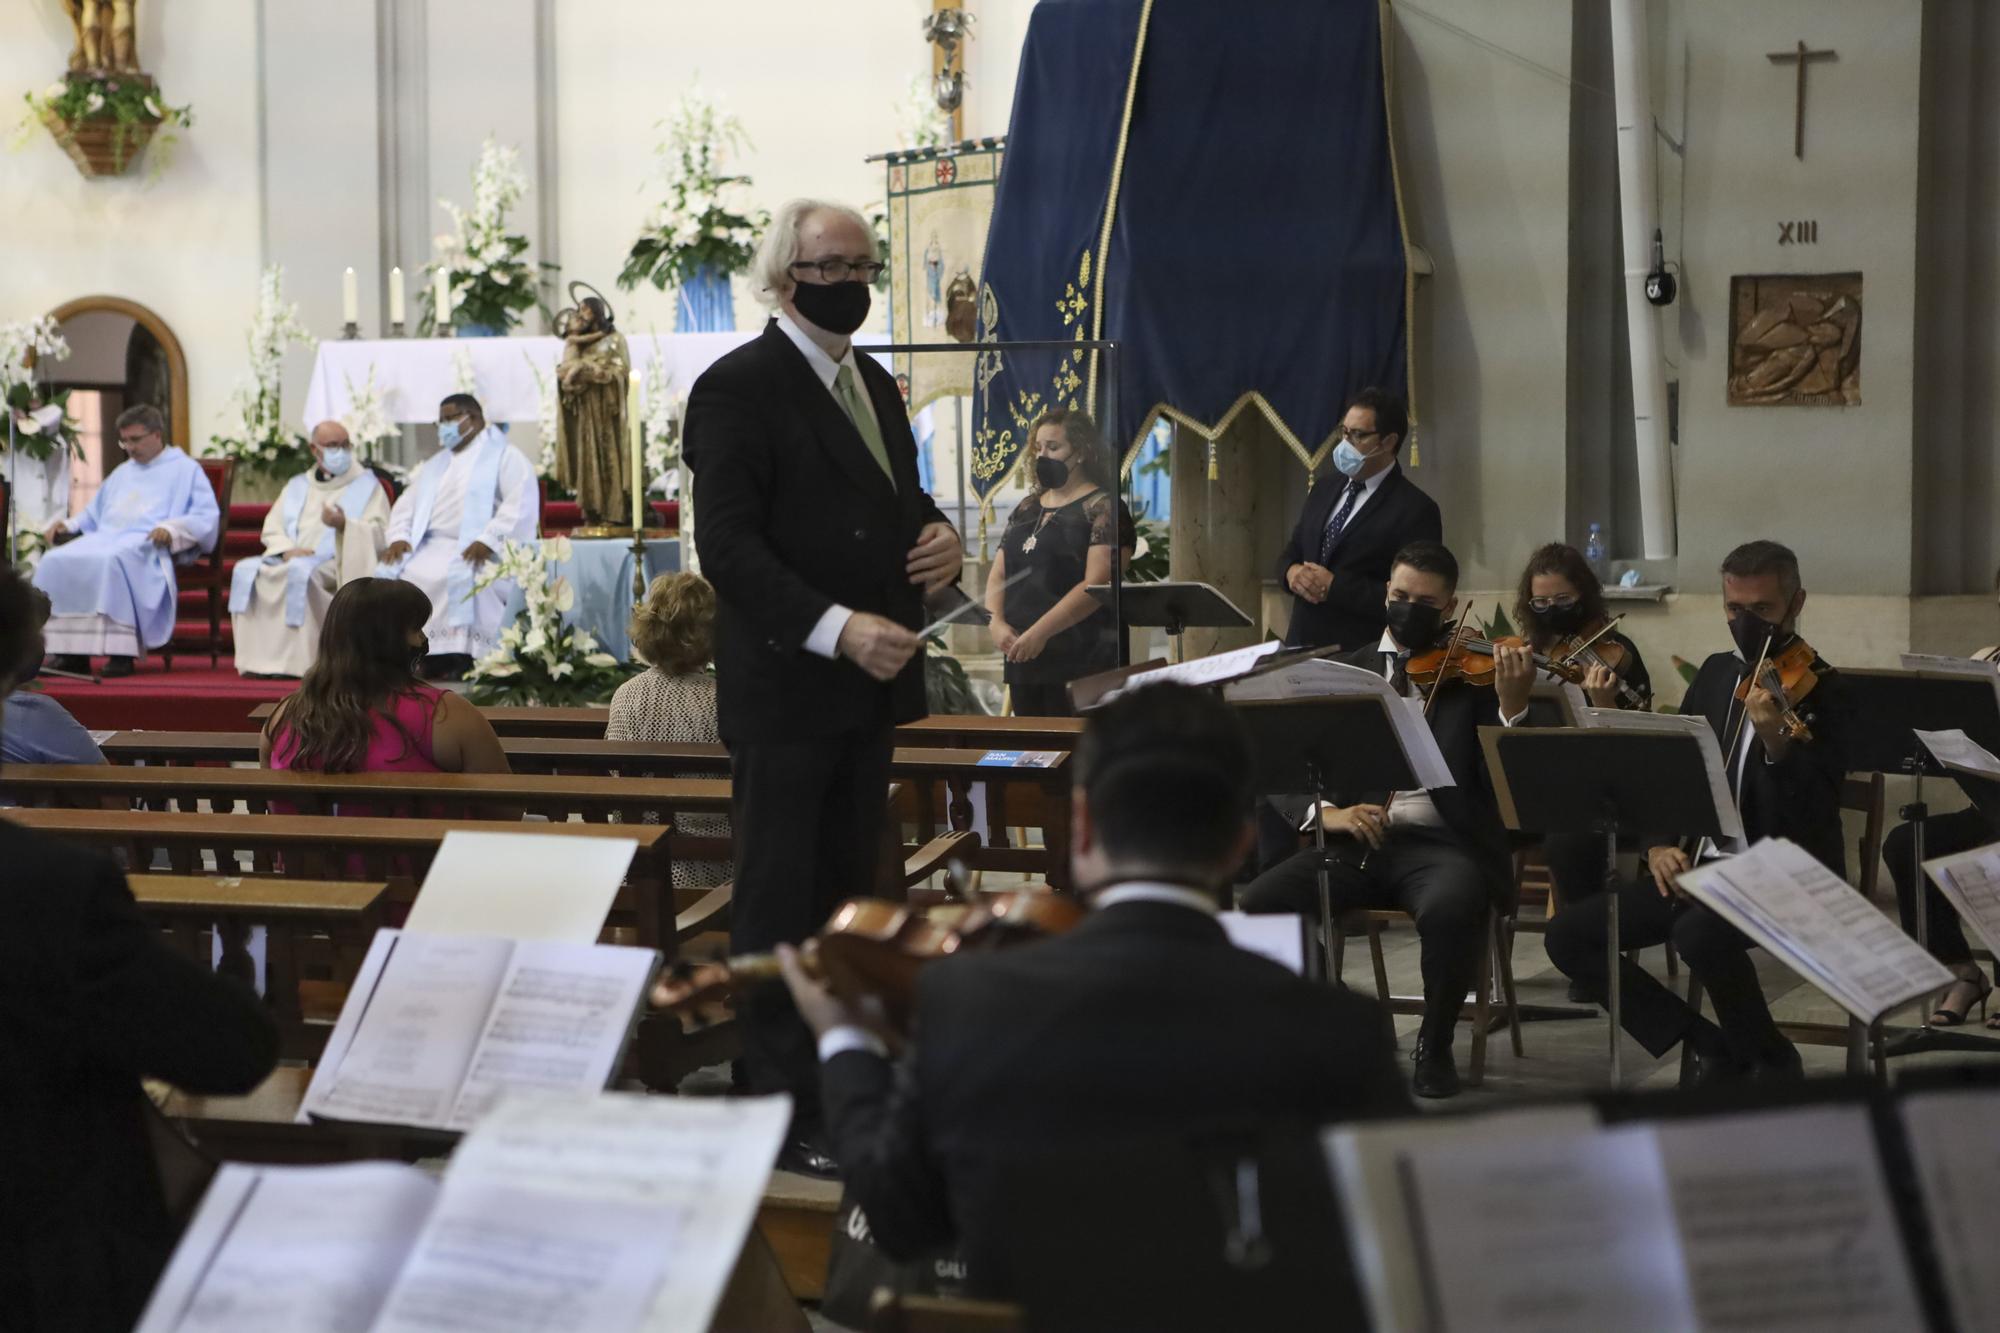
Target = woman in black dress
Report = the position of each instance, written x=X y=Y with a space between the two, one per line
x=1065 y=534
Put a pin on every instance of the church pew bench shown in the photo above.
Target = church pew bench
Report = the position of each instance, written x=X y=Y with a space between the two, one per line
x=193 y=911
x=348 y=847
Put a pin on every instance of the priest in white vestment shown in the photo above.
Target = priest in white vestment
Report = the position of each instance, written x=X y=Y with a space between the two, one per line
x=110 y=576
x=327 y=528
x=465 y=503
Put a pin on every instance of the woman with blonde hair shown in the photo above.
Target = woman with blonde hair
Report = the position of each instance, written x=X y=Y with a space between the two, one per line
x=673 y=701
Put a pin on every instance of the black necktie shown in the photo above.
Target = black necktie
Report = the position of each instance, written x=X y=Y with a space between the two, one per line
x=1399 y=673
x=1338 y=523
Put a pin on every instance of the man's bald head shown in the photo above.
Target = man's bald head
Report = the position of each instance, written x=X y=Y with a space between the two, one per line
x=329 y=435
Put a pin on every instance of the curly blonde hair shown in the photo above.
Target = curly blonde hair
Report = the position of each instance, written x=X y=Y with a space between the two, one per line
x=674 y=628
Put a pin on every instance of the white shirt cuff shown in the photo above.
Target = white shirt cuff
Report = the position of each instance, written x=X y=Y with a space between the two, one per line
x=1515 y=720
x=824 y=641
x=836 y=1041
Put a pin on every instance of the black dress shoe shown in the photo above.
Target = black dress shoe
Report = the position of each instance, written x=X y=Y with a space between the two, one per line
x=1710 y=1062
x=808 y=1155
x=74 y=663
x=115 y=667
x=1779 y=1064
x=1580 y=994
x=1437 y=1074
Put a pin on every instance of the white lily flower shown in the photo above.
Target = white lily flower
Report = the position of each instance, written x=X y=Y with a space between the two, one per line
x=565 y=596
x=26 y=424
x=600 y=660
x=504 y=669
x=560 y=669
x=536 y=641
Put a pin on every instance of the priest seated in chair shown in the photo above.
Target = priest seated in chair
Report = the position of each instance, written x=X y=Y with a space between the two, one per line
x=110 y=572
x=468 y=500
x=326 y=529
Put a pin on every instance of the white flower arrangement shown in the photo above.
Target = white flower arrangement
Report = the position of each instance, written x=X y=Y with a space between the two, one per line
x=695 y=227
x=661 y=423
x=540 y=660
x=547 y=414
x=367 y=419
x=41 y=419
x=261 y=442
x=925 y=124
x=490 y=283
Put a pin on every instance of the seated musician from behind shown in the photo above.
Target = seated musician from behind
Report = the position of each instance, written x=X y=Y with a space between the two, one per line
x=1143 y=1019
x=92 y=1001
x=1786 y=785
x=363 y=707
x=1442 y=856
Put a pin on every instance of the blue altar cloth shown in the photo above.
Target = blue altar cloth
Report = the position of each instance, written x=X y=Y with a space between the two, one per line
x=600 y=569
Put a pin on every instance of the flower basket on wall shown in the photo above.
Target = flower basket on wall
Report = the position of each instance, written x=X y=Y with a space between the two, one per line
x=100 y=146
x=104 y=121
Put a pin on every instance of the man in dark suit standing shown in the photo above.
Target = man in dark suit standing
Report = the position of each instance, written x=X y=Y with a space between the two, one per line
x=1143 y=1020
x=92 y=1001
x=821 y=544
x=1337 y=561
x=1441 y=855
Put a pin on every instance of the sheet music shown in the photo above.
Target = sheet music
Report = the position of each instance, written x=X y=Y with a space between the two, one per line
x=1364 y=1160
x=1971 y=881
x=310 y=1249
x=1953 y=666
x=417 y=1013
x=1733 y=837
x=522 y=886
x=559 y=1022
x=1279 y=936
x=1816 y=924
x=1201 y=671
x=1786 y=1223
x=612 y=1212
x=1559 y=1233
x=1951 y=1137
x=1955 y=749
x=1315 y=677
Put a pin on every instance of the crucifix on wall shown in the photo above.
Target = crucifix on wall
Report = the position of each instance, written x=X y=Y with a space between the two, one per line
x=1801 y=57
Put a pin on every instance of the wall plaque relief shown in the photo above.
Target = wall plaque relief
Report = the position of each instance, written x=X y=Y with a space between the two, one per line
x=1795 y=340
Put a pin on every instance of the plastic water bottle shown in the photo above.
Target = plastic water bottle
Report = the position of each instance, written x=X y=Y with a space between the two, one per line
x=1593 y=554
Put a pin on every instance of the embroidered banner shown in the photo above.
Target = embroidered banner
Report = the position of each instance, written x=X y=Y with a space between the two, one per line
x=939 y=205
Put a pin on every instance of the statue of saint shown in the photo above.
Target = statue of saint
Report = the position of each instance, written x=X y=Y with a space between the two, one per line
x=593 y=447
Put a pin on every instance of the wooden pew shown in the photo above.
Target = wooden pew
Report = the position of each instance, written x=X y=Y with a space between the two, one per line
x=939 y=782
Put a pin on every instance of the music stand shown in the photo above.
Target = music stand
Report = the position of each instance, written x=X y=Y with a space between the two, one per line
x=1174 y=607
x=1886 y=710
x=1605 y=781
x=1309 y=747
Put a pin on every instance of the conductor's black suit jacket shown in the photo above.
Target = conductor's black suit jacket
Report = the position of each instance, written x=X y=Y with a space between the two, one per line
x=793 y=515
x=1352 y=615
x=1144 y=1020
x=91 y=1001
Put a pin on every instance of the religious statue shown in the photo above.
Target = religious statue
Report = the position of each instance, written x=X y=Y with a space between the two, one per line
x=593 y=447
x=106 y=35
x=1795 y=340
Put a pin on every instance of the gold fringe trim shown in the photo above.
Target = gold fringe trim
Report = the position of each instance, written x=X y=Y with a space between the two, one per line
x=1111 y=203
x=1310 y=458
x=1403 y=224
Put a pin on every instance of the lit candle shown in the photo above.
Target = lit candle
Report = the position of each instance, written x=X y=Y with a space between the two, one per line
x=441 y=300
x=395 y=296
x=350 y=298
x=638 y=456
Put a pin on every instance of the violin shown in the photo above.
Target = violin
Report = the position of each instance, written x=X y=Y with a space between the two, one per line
x=1469 y=660
x=871 y=950
x=1791 y=676
x=1571 y=658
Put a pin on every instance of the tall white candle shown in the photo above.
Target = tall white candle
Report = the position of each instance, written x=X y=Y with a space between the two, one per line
x=350 y=298
x=395 y=296
x=633 y=421
x=441 y=300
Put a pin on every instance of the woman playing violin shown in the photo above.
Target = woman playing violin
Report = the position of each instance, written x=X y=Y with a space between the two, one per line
x=1560 y=609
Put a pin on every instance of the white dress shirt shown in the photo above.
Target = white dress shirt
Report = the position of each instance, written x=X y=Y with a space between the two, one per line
x=1416 y=809
x=825 y=637
x=1368 y=489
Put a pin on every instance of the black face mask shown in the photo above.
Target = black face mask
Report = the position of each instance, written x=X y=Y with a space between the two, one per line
x=1561 y=620
x=417 y=656
x=1752 y=634
x=837 y=307
x=1051 y=472
x=1414 y=624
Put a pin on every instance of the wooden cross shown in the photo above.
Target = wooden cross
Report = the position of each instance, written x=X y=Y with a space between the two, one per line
x=1801 y=57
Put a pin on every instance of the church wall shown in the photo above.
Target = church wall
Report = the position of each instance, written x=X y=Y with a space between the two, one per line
x=185 y=244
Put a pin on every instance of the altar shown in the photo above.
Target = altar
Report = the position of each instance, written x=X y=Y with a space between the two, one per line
x=600 y=570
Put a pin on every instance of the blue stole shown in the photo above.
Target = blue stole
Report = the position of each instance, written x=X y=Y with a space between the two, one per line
x=480 y=494
x=353 y=501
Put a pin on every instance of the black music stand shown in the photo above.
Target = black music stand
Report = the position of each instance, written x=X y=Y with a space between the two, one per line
x=1174 y=607
x=1309 y=747
x=1605 y=781
x=1887 y=709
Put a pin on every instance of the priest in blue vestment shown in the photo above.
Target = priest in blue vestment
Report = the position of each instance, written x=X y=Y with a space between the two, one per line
x=110 y=572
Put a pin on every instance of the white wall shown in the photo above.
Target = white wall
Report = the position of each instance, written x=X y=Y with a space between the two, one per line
x=187 y=244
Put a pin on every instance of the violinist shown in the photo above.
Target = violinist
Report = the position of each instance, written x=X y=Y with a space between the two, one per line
x=1443 y=855
x=1144 y=1018
x=1783 y=746
x=1560 y=608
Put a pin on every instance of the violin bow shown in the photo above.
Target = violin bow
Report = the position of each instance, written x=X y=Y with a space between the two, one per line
x=1584 y=647
x=1755 y=679
x=1457 y=637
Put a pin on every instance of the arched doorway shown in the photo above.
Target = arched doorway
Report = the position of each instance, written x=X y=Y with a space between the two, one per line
x=121 y=354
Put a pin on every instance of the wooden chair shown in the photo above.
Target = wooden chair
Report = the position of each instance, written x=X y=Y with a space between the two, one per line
x=209 y=572
x=1495 y=960
x=1864 y=796
x=891 y=1312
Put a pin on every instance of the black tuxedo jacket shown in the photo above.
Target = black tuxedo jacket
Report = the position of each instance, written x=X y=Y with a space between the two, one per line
x=793 y=515
x=1351 y=616
x=1144 y=1020
x=1798 y=797
x=90 y=1002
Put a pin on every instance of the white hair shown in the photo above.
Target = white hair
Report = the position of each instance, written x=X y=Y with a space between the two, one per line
x=772 y=269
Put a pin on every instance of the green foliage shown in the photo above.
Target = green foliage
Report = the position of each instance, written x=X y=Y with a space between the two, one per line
x=37 y=435
x=127 y=100
x=1499 y=627
x=947 y=689
x=1150 y=565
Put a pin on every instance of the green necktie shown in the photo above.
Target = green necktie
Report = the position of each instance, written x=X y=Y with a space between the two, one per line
x=863 y=419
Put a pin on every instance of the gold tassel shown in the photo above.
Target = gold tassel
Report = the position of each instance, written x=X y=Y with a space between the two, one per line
x=1214 y=463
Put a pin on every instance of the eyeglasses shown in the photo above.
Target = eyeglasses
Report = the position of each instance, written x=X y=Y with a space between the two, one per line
x=840 y=270
x=134 y=439
x=1353 y=436
x=1553 y=603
